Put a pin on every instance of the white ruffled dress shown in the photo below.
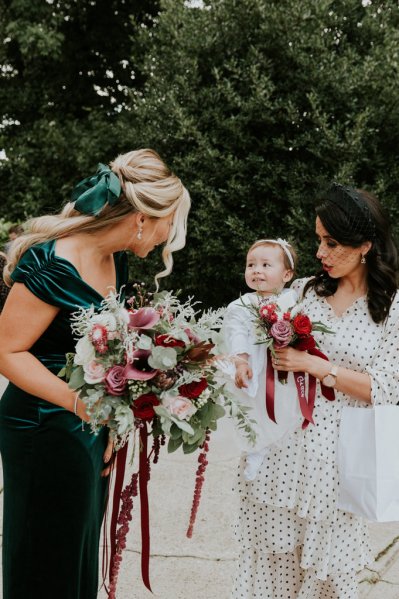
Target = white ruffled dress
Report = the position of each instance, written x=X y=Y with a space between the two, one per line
x=240 y=336
x=294 y=543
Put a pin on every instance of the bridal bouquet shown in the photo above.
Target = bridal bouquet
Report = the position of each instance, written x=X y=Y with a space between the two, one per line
x=150 y=360
x=146 y=366
x=278 y=328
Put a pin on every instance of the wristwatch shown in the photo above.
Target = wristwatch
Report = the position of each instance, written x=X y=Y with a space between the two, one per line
x=330 y=380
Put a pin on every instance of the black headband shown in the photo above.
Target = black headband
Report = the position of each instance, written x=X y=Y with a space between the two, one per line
x=356 y=209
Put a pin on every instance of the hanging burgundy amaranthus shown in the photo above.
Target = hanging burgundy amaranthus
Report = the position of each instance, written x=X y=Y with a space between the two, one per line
x=125 y=517
x=199 y=481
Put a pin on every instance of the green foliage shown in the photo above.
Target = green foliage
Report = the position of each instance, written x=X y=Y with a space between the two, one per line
x=256 y=105
x=4 y=227
x=67 y=69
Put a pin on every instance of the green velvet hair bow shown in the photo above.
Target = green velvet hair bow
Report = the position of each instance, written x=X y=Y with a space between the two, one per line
x=91 y=194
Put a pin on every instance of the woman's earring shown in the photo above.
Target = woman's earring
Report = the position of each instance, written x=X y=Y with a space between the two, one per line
x=363 y=260
x=140 y=233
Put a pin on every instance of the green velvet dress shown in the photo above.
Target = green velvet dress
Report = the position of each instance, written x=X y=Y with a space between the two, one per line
x=54 y=496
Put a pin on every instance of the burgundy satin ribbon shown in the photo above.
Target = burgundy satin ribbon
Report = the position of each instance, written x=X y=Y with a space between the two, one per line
x=270 y=387
x=144 y=475
x=306 y=404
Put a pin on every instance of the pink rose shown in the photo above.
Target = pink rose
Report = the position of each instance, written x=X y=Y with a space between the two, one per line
x=94 y=372
x=281 y=332
x=115 y=380
x=179 y=406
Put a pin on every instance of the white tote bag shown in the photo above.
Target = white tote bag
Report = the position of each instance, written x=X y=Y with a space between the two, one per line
x=368 y=462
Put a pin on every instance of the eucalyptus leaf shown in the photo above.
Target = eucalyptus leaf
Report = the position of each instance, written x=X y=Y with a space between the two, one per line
x=76 y=380
x=183 y=425
x=144 y=342
x=190 y=448
x=174 y=444
x=162 y=411
x=175 y=431
x=163 y=358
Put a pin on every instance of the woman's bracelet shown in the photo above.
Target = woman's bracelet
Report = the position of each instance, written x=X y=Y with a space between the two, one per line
x=75 y=405
x=75 y=410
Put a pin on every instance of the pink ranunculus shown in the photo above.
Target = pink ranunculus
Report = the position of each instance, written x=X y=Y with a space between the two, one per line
x=281 y=332
x=94 y=372
x=139 y=369
x=99 y=338
x=178 y=406
x=143 y=318
x=115 y=380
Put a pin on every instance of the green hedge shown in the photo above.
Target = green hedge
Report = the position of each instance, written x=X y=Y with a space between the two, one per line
x=256 y=105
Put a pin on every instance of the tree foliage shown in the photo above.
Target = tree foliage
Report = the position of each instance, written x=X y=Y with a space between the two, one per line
x=67 y=69
x=256 y=105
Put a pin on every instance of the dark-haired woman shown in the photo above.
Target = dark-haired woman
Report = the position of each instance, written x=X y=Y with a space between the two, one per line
x=295 y=543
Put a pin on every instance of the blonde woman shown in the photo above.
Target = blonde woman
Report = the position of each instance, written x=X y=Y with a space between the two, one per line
x=54 y=473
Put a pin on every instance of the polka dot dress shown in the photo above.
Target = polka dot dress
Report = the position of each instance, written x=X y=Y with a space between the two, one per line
x=294 y=543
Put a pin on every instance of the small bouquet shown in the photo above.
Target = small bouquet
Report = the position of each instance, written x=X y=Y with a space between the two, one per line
x=146 y=365
x=278 y=328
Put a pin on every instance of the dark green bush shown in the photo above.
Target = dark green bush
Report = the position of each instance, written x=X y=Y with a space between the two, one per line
x=256 y=105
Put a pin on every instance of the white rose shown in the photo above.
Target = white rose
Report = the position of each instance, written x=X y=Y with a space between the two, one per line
x=85 y=352
x=94 y=372
x=178 y=406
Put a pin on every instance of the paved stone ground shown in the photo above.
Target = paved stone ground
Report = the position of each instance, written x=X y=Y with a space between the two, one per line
x=202 y=567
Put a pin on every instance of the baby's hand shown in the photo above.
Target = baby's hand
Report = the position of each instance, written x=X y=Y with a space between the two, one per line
x=243 y=373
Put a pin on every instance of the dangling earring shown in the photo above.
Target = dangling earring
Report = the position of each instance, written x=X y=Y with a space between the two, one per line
x=140 y=233
x=363 y=260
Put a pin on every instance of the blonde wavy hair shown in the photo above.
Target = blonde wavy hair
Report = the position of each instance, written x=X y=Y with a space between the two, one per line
x=148 y=186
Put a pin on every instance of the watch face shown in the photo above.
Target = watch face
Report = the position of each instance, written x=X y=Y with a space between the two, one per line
x=329 y=380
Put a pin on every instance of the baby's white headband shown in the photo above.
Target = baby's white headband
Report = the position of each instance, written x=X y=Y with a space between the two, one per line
x=284 y=245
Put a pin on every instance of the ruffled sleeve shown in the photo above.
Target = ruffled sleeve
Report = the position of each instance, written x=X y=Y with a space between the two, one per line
x=48 y=278
x=383 y=371
x=236 y=329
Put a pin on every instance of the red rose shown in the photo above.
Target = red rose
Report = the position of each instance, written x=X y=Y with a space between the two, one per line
x=168 y=341
x=194 y=389
x=287 y=316
x=264 y=312
x=143 y=406
x=273 y=317
x=302 y=325
x=271 y=307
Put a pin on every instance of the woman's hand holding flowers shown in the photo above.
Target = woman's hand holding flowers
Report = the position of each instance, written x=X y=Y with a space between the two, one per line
x=294 y=360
